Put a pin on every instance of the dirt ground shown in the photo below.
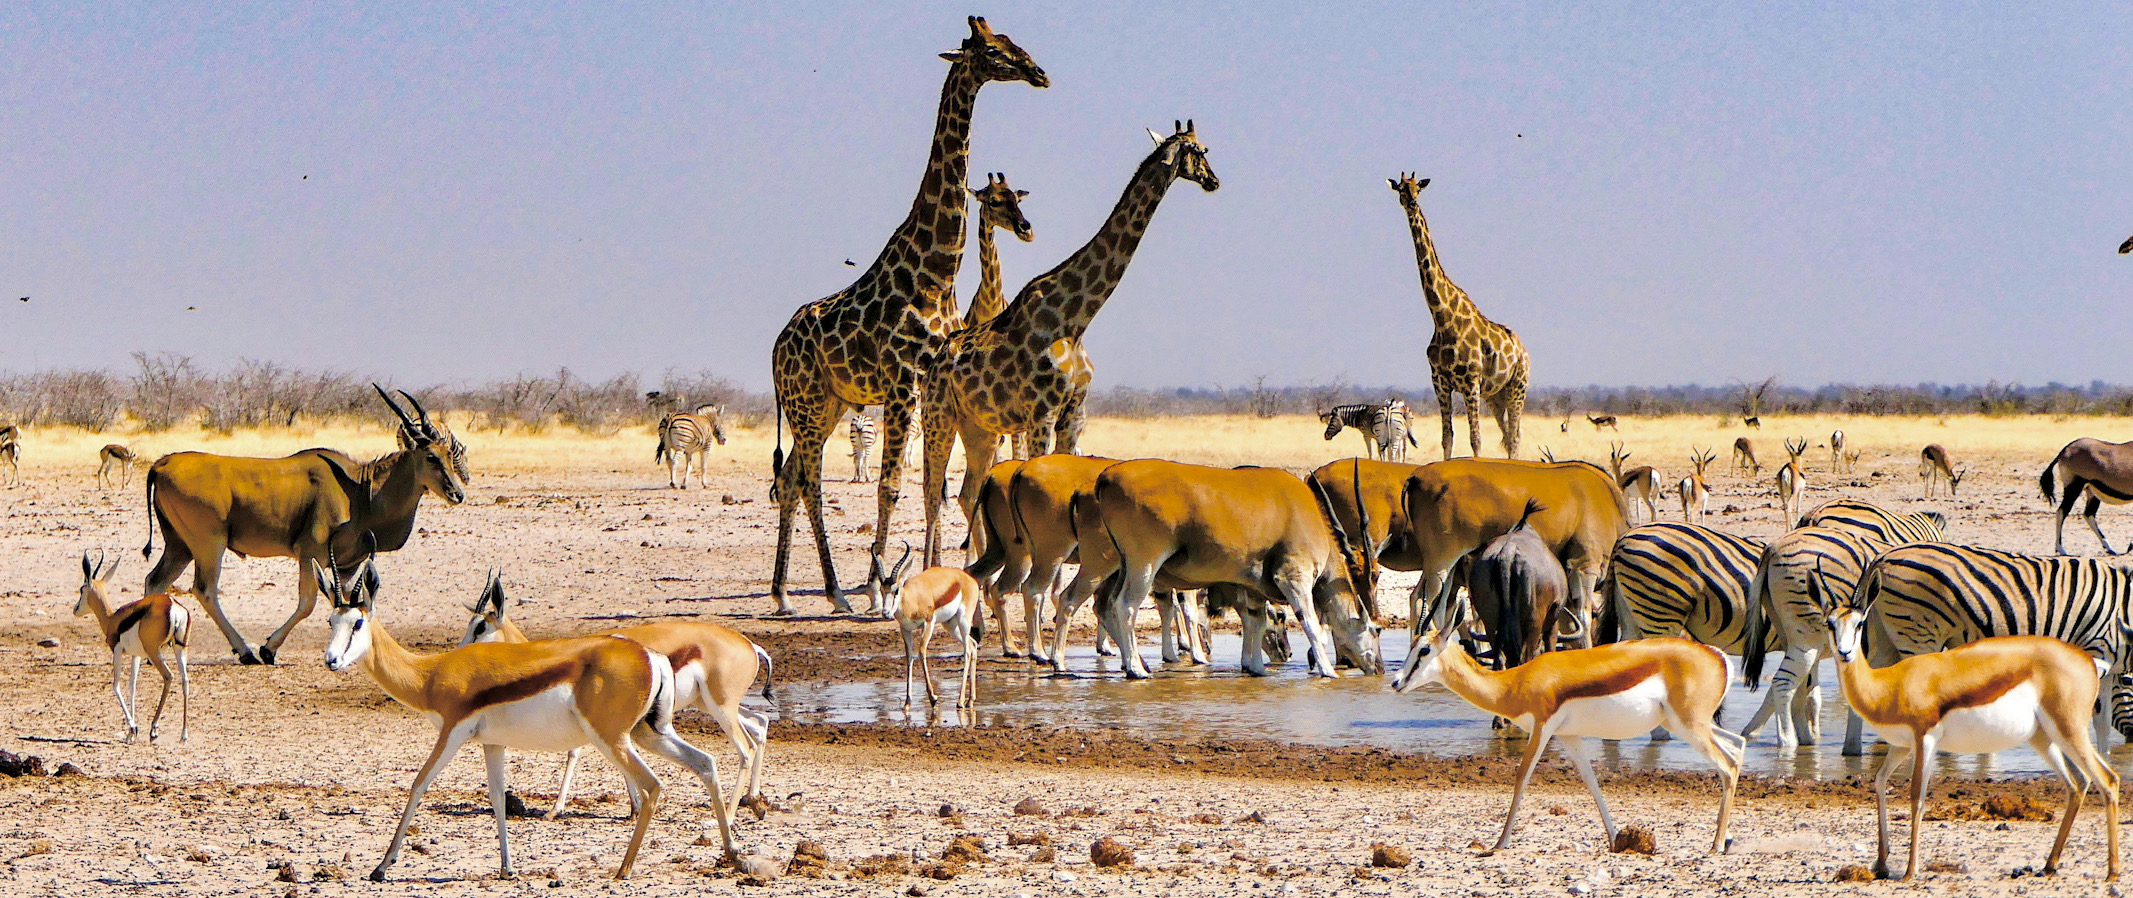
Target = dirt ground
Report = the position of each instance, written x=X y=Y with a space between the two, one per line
x=294 y=775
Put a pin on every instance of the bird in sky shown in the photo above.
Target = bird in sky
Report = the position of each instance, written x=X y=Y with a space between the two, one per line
x=848 y=263
x=192 y=308
x=27 y=299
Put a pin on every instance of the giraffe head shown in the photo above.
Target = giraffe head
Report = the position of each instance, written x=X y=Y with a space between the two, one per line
x=996 y=58
x=1000 y=206
x=1409 y=189
x=1185 y=155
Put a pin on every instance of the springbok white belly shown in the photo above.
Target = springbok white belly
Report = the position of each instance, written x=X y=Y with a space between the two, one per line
x=1623 y=715
x=545 y=721
x=2004 y=723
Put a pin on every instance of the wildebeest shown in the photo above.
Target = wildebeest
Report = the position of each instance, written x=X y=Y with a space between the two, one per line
x=1518 y=590
x=302 y=506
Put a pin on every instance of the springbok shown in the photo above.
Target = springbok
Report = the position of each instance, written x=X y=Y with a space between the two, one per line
x=1744 y=457
x=1980 y=698
x=1836 y=452
x=1614 y=691
x=113 y=463
x=1607 y=421
x=713 y=668
x=2092 y=469
x=11 y=452
x=1753 y=421
x=1639 y=484
x=301 y=507
x=1695 y=494
x=943 y=597
x=553 y=695
x=1933 y=466
x=1792 y=480
x=139 y=631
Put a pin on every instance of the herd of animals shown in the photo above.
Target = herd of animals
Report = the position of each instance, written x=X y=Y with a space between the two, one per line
x=1593 y=628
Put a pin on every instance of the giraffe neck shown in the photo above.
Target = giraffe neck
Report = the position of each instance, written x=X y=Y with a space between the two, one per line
x=929 y=243
x=1447 y=303
x=988 y=301
x=1077 y=289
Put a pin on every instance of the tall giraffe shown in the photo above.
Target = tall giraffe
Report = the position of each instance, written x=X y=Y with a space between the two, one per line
x=999 y=206
x=1469 y=356
x=871 y=343
x=1017 y=372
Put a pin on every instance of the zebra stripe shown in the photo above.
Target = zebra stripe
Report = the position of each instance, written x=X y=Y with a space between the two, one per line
x=1669 y=578
x=1393 y=430
x=1359 y=416
x=864 y=433
x=1868 y=519
x=1928 y=597
x=683 y=437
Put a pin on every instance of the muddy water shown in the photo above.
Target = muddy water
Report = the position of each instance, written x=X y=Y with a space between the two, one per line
x=1222 y=701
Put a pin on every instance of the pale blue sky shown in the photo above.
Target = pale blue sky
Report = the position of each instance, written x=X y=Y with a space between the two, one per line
x=1825 y=192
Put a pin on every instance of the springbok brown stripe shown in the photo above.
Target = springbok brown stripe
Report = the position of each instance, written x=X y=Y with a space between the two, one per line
x=1984 y=693
x=683 y=656
x=944 y=601
x=527 y=687
x=1618 y=681
x=130 y=617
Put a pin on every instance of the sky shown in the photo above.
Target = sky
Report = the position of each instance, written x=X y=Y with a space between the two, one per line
x=1647 y=194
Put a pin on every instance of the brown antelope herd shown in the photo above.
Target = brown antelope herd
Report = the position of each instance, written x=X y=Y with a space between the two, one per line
x=1533 y=559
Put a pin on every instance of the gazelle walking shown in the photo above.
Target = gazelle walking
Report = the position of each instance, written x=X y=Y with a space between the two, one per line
x=1933 y=466
x=1792 y=480
x=1640 y=484
x=1607 y=421
x=943 y=597
x=1836 y=452
x=1744 y=457
x=553 y=695
x=1613 y=691
x=1980 y=698
x=713 y=668
x=140 y=631
x=110 y=459
x=1695 y=494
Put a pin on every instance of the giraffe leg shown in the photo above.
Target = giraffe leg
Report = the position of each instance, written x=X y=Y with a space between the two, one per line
x=1473 y=418
x=1069 y=422
x=1510 y=407
x=800 y=482
x=896 y=431
x=939 y=427
x=1444 y=412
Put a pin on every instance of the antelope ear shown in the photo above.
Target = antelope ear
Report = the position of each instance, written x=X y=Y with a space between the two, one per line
x=365 y=585
x=326 y=584
x=88 y=572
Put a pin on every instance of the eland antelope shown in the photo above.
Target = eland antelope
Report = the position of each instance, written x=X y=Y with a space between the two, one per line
x=2089 y=469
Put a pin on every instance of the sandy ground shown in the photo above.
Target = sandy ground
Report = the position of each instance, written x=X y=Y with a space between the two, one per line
x=294 y=775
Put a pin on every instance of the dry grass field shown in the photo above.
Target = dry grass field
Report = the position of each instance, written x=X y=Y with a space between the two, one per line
x=294 y=775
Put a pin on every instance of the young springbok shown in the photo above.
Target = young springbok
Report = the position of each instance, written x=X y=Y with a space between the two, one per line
x=1695 y=494
x=1933 y=466
x=713 y=668
x=552 y=695
x=1640 y=484
x=140 y=631
x=1984 y=697
x=1836 y=452
x=1613 y=691
x=1744 y=457
x=113 y=463
x=1792 y=480
x=937 y=597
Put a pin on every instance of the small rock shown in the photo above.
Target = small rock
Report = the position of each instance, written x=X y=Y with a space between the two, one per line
x=947 y=810
x=1044 y=855
x=68 y=769
x=1062 y=876
x=48 y=643
x=916 y=891
x=1029 y=807
x=1581 y=888
x=514 y=806
x=1634 y=840
x=1253 y=817
x=1393 y=856
x=758 y=866
x=728 y=499
x=1110 y=852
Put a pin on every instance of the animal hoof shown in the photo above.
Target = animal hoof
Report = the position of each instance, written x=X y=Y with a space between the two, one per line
x=377 y=874
x=266 y=655
x=782 y=612
x=1010 y=653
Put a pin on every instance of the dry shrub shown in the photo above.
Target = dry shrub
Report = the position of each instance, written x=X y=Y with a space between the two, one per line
x=809 y=859
x=966 y=849
x=2017 y=807
x=1029 y=807
x=1854 y=873
x=1035 y=838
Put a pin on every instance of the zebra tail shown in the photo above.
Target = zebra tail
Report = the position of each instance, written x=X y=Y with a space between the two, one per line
x=770 y=674
x=1757 y=624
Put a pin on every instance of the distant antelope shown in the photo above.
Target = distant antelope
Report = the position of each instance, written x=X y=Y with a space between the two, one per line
x=139 y=631
x=1695 y=495
x=1744 y=457
x=685 y=437
x=1548 y=455
x=1836 y=452
x=1566 y=426
x=1933 y=466
x=864 y=432
x=1607 y=421
x=114 y=463
x=11 y=455
x=1753 y=421
x=1851 y=459
x=1792 y=480
x=1640 y=484
x=2103 y=472
x=937 y=597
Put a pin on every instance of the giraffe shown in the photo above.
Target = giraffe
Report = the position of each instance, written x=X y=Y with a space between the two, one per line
x=1018 y=371
x=1470 y=356
x=870 y=343
x=999 y=206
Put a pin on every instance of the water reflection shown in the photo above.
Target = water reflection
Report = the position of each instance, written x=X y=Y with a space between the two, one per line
x=1183 y=701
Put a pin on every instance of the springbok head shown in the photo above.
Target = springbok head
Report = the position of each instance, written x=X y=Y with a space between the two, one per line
x=1000 y=206
x=93 y=576
x=995 y=57
x=1846 y=616
x=894 y=580
x=1795 y=447
x=487 y=622
x=348 y=631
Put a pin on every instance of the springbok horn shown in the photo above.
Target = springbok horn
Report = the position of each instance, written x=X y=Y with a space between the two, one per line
x=896 y=573
x=405 y=421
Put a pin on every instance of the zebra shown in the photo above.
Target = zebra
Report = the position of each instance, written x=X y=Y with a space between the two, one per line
x=864 y=433
x=1667 y=578
x=1926 y=597
x=1393 y=431
x=1361 y=416
x=681 y=438
x=1840 y=538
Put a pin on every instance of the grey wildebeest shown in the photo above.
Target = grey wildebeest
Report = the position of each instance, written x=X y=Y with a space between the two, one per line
x=2092 y=468
x=1177 y=526
x=1455 y=507
x=302 y=506
x=1518 y=590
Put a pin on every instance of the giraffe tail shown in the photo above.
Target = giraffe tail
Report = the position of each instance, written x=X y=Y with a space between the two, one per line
x=777 y=444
